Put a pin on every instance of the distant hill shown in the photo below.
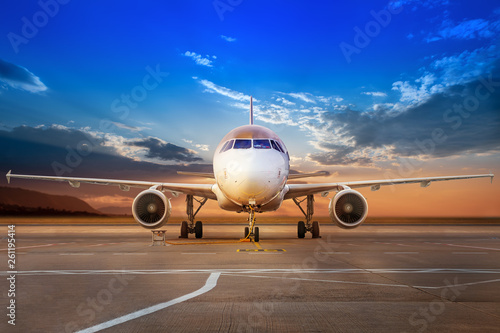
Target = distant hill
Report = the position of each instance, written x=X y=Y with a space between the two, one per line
x=18 y=201
x=112 y=210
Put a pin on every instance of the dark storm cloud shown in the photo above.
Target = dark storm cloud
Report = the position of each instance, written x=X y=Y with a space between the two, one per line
x=339 y=155
x=69 y=152
x=463 y=119
x=165 y=150
x=19 y=77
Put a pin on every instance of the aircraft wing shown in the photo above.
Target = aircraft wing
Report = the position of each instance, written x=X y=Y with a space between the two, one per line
x=298 y=190
x=305 y=175
x=196 y=174
x=201 y=190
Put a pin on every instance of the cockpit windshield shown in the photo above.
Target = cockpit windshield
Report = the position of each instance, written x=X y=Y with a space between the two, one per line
x=249 y=143
x=261 y=144
x=242 y=144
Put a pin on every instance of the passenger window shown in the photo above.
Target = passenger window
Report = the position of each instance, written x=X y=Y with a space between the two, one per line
x=261 y=144
x=242 y=144
x=276 y=146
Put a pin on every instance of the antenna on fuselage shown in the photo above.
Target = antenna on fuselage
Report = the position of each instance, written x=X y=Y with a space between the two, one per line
x=251 y=110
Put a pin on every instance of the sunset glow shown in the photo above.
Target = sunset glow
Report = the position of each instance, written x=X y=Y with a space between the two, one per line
x=377 y=90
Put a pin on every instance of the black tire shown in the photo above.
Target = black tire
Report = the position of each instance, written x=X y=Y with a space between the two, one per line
x=315 y=229
x=247 y=230
x=256 y=234
x=184 y=230
x=198 y=229
x=301 y=229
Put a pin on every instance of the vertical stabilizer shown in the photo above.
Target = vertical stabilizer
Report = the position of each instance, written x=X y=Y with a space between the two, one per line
x=251 y=110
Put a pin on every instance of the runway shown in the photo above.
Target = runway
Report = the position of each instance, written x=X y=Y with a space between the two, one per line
x=375 y=278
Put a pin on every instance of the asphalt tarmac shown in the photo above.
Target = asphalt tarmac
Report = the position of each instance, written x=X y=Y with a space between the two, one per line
x=376 y=278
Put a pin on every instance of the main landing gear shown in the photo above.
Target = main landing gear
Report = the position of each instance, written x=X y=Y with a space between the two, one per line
x=191 y=227
x=252 y=232
x=308 y=226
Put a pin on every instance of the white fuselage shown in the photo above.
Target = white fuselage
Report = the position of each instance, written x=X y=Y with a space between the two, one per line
x=251 y=166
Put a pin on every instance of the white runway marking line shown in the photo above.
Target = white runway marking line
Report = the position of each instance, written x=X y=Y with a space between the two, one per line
x=317 y=280
x=472 y=247
x=264 y=271
x=102 y=244
x=250 y=273
x=209 y=285
x=33 y=246
x=399 y=244
x=459 y=285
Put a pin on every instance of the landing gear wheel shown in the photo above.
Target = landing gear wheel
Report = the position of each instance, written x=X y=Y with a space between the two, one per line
x=315 y=229
x=256 y=234
x=198 y=229
x=301 y=229
x=184 y=230
x=247 y=231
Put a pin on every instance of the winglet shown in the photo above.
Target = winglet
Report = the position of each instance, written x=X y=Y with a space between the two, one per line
x=8 y=176
x=251 y=110
x=491 y=177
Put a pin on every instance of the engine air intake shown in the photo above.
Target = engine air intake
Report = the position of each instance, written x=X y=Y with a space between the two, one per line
x=151 y=209
x=348 y=209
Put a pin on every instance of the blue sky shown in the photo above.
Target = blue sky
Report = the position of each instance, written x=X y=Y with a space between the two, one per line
x=352 y=87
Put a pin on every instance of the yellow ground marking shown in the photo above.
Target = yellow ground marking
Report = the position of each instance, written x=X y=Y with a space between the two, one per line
x=261 y=250
x=257 y=244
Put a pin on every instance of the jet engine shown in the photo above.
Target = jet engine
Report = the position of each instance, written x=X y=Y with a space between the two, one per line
x=151 y=209
x=348 y=209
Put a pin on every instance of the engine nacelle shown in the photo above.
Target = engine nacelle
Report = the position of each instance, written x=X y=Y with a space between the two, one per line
x=151 y=209
x=348 y=209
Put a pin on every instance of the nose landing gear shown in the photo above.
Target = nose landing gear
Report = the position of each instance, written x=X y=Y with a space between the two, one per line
x=308 y=226
x=252 y=232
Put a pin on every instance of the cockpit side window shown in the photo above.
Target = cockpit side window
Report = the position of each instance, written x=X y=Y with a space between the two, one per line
x=223 y=147
x=277 y=146
x=228 y=145
x=261 y=144
x=242 y=144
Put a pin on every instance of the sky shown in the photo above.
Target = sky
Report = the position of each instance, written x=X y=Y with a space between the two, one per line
x=364 y=90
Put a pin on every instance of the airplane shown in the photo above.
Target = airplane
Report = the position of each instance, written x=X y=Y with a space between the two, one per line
x=251 y=170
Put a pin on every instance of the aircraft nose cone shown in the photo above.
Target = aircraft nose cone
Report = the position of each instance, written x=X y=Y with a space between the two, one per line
x=254 y=186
